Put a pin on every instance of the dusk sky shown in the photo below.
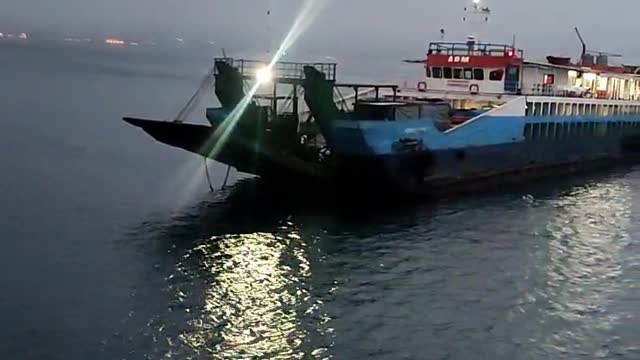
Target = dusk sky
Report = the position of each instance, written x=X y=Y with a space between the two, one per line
x=542 y=26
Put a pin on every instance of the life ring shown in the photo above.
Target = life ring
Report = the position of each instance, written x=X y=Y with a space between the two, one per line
x=422 y=86
x=474 y=89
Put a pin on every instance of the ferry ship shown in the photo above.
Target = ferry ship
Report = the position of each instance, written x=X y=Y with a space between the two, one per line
x=482 y=114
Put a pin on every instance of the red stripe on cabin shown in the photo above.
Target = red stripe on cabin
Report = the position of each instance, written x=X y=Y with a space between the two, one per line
x=472 y=61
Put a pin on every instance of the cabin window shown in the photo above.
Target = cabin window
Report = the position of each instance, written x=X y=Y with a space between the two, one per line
x=548 y=79
x=437 y=72
x=561 y=109
x=468 y=74
x=581 y=109
x=537 y=108
x=496 y=75
x=478 y=74
x=428 y=69
x=374 y=112
x=529 y=109
x=553 y=108
x=447 y=73
x=545 y=109
x=457 y=73
x=574 y=109
x=568 y=109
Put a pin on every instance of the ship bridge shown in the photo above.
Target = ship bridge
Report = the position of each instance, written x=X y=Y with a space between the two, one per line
x=472 y=68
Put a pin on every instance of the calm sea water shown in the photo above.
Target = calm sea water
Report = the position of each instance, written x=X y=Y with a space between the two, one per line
x=113 y=247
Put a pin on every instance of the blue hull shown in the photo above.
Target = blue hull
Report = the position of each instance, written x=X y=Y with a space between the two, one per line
x=417 y=157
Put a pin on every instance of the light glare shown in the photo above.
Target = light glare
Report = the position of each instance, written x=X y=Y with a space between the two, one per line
x=264 y=75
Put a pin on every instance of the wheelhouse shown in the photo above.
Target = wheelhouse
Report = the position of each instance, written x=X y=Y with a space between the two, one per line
x=473 y=68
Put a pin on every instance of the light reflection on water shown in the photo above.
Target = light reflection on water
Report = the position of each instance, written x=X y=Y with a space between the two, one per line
x=256 y=297
x=588 y=233
x=577 y=281
x=539 y=273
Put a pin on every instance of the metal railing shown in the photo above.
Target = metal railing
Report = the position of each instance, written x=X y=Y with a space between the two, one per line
x=477 y=49
x=283 y=70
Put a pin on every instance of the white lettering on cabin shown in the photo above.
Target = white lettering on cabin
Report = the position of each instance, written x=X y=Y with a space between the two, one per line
x=458 y=59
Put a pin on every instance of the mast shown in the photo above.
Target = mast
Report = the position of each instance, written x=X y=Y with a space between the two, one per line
x=477 y=16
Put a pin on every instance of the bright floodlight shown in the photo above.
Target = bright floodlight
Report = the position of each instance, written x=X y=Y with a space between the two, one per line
x=263 y=75
x=476 y=1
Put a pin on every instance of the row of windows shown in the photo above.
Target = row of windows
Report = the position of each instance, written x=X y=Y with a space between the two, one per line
x=437 y=72
x=575 y=109
x=577 y=129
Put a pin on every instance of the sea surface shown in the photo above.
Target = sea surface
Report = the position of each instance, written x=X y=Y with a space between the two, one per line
x=113 y=247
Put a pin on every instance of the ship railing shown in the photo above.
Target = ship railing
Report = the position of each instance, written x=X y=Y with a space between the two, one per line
x=282 y=70
x=566 y=91
x=475 y=49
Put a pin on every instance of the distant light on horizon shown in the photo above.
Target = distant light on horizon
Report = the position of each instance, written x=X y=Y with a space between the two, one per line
x=112 y=41
x=20 y=36
x=77 y=40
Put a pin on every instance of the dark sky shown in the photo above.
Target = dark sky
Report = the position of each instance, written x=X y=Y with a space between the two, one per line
x=542 y=26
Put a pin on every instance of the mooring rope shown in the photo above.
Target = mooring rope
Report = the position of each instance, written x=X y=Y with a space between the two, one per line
x=206 y=171
x=205 y=85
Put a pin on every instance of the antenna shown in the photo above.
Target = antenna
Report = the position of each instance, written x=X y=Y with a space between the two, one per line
x=584 y=45
x=269 y=28
x=476 y=15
